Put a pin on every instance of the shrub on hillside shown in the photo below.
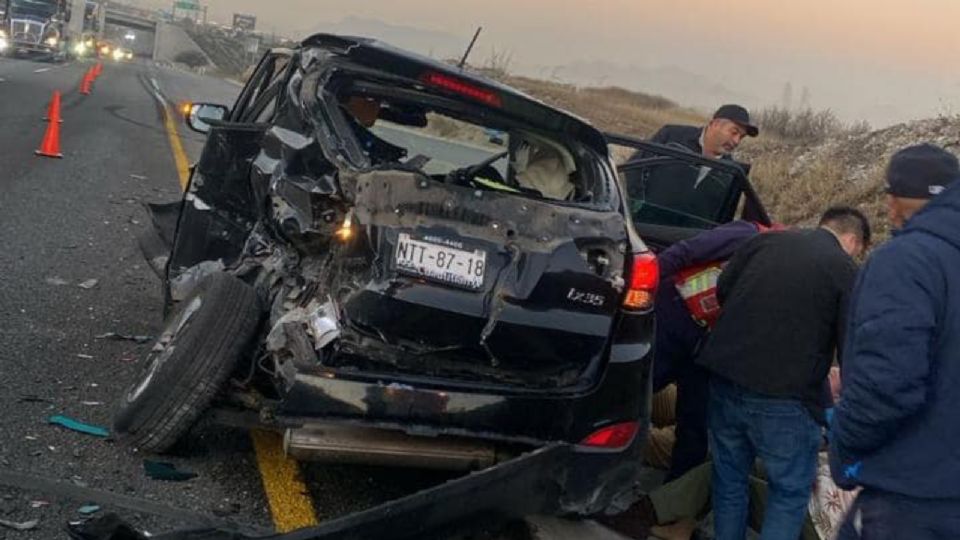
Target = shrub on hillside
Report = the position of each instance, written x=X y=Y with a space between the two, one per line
x=192 y=59
x=631 y=97
x=805 y=125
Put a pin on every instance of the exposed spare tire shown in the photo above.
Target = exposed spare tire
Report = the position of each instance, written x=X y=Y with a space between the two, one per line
x=190 y=361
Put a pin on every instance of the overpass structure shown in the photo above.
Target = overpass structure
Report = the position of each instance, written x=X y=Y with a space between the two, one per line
x=134 y=27
x=130 y=17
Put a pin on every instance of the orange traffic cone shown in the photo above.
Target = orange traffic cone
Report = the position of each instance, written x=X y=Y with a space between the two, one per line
x=50 y=147
x=53 y=112
x=87 y=81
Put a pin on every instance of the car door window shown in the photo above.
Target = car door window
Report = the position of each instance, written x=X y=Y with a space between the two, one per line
x=257 y=101
x=673 y=187
x=680 y=194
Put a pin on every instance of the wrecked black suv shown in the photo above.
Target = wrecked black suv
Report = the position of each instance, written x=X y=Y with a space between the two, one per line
x=361 y=264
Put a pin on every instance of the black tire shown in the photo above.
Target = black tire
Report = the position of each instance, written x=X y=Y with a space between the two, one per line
x=188 y=364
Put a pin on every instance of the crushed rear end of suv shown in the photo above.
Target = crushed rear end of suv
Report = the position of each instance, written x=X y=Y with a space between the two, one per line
x=359 y=264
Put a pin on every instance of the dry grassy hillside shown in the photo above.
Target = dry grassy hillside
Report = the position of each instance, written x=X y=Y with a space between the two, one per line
x=611 y=108
x=802 y=162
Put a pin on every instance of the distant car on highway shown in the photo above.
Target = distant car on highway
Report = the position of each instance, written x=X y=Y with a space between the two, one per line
x=121 y=54
x=356 y=265
x=83 y=46
x=105 y=48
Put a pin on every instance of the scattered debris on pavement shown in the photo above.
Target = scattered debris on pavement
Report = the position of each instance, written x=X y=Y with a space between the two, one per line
x=84 y=356
x=89 y=509
x=57 y=282
x=20 y=526
x=39 y=504
x=107 y=527
x=88 y=284
x=166 y=471
x=138 y=177
x=125 y=337
x=78 y=426
x=91 y=403
x=31 y=398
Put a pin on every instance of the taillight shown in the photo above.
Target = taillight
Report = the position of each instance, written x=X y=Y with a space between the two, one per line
x=463 y=88
x=644 y=277
x=612 y=437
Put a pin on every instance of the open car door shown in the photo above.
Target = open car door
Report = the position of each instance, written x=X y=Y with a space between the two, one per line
x=674 y=193
x=218 y=211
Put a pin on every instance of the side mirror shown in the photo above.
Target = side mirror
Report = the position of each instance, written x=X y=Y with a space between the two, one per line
x=200 y=115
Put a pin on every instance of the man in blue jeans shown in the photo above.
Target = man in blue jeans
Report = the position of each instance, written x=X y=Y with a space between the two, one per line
x=783 y=298
x=680 y=331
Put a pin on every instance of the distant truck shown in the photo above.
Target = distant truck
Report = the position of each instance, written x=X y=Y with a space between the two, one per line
x=33 y=26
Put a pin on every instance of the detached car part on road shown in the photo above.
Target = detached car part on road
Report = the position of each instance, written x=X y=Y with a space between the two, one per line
x=355 y=262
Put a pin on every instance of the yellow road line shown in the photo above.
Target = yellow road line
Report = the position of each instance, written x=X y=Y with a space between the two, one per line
x=290 y=502
x=176 y=146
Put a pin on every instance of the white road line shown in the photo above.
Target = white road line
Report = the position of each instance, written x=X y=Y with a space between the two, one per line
x=41 y=70
x=156 y=91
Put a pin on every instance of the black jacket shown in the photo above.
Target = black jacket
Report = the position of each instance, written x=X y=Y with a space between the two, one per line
x=784 y=298
x=688 y=136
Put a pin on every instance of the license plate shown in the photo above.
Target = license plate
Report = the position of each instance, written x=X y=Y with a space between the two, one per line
x=441 y=263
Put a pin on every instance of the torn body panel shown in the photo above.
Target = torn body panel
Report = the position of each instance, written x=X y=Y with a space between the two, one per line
x=524 y=323
x=217 y=214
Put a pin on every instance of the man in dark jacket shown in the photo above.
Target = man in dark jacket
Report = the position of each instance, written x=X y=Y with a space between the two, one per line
x=896 y=430
x=783 y=297
x=718 y=139
x=679 y=335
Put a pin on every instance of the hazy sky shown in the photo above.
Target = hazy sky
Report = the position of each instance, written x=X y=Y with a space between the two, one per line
x=860 y=57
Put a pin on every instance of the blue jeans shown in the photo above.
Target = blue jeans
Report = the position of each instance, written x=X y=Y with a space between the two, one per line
x=745 y=425
x=888 y=516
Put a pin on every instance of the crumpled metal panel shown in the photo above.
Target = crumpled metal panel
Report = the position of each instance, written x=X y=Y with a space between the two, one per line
x=217 y=214
x=522 y=486
x=408 y=200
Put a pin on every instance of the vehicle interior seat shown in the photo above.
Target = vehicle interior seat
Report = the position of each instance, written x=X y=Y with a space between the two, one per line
x=546 y=167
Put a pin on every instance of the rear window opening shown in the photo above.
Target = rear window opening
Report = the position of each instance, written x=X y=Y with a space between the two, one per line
x=465 y=144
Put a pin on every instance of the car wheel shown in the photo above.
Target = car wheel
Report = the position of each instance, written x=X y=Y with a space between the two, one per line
x=188 y=364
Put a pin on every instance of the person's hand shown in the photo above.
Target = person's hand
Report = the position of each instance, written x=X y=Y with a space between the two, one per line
x=836 y=386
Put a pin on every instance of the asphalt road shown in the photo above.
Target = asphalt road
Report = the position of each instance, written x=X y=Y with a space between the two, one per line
x=66 y=222
x=69 y=272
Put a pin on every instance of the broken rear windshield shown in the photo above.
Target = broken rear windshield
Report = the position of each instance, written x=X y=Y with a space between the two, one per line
x=388 y=126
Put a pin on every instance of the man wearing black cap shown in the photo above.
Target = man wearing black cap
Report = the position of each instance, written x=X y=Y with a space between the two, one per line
x=718 y=139
x=896 y=429
x=916 y=175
